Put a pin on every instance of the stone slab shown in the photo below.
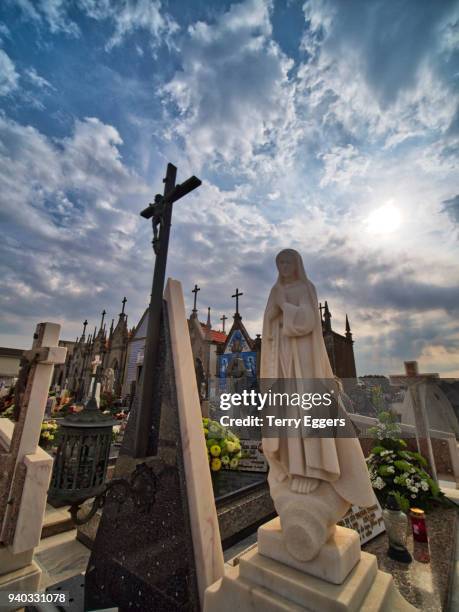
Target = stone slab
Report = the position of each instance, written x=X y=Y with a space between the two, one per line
x=25 y=579
x=208 y=554
x=258 y=583
x=10 y=562
x=300 y=588
x=333 y=563
x=29 y=521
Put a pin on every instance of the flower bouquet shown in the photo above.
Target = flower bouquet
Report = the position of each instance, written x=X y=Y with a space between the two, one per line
x=48 y=433
x=394 y=469
x=223 y=447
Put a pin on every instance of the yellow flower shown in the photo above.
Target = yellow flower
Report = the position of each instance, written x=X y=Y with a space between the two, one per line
x=215 y=450
x=230 y=446
x=206 y=431
x=215 y=465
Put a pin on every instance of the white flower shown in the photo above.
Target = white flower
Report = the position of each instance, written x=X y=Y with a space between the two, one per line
x=413 y=496
x=379 y=483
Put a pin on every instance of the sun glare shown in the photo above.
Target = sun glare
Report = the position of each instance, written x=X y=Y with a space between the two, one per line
x=384 y=220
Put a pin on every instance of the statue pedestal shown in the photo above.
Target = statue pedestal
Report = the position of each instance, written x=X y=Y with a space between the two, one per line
x=267 y=578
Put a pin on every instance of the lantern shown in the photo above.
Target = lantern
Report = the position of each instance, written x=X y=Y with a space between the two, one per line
x=81 y=461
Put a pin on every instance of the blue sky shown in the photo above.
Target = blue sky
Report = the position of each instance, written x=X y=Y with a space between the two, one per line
x=330 y=127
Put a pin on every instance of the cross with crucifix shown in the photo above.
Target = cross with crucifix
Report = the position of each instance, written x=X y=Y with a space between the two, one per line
x=223 y=319
x=195 y=291
x=160 y=213
x=237 y=295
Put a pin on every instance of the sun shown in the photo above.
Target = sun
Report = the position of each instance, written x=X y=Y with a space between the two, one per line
x=384 y=220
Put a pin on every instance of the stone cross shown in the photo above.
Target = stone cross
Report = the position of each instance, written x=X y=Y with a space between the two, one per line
x=195 y=291
x=37 y=373
x=223 y=319
x=237 y=296
x=160 y=213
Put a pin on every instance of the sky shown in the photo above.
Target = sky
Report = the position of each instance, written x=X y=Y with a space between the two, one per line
x=326 y=126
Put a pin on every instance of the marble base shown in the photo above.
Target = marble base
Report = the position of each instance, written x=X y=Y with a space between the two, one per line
x=21 y=580
x=10 y=562
x=259 y=583
x=335 y=561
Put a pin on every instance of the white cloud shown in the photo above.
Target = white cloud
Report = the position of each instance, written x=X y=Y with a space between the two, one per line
x=129 y=16
x=8 y=75
x=233 y=93
x=69 y=211
x=37 y=80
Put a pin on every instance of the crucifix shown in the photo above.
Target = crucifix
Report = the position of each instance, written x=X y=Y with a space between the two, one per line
x=223 y=319
x=237 y=295
x=160 y=213
x=195 y=291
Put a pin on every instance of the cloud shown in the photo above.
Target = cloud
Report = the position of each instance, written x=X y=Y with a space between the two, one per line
x=233 y=94
x=38 y=81
x=51 y=12
x=452 y=208
x=130 y=16
x=376 y=70
x=8 y=75
x=69 y=212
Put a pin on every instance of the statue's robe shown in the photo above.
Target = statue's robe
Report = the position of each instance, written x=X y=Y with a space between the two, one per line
x=293 y=348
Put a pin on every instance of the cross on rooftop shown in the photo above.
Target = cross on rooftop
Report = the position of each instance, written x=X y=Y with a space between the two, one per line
x=237 y=295
x=195 y=291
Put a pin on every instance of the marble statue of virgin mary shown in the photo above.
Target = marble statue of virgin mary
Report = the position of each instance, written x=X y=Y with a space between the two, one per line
x=293 y=348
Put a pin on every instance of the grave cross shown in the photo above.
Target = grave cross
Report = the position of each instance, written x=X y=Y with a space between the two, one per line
x=223 y=319
x=160 y=213
x=195 y=291
x=237 y=295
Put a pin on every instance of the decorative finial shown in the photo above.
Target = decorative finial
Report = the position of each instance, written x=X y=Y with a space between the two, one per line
x=209 y=324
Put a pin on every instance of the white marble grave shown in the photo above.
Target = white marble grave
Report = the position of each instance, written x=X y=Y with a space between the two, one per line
x=28 y=468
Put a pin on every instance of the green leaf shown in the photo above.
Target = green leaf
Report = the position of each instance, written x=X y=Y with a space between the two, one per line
x=403 y=466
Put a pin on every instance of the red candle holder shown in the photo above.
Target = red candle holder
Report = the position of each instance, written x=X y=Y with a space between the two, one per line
x=418 y=525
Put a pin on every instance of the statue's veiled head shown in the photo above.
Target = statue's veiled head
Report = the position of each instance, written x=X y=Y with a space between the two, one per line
x=290 y=266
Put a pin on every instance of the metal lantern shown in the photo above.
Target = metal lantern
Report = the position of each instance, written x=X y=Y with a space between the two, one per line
x=81 y=461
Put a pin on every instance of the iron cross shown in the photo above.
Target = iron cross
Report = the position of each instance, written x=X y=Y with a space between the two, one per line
x=237 y=295
x=160 y=212
x=195 y=291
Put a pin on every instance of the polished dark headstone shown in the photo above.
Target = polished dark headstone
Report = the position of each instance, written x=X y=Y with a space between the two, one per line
x=142 y=558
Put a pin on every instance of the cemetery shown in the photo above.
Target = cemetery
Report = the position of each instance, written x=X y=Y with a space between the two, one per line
x=229 y=334
x=174 y=503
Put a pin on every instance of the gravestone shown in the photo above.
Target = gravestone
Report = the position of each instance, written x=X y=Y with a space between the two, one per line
x=158 y=544
x=25 y=468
